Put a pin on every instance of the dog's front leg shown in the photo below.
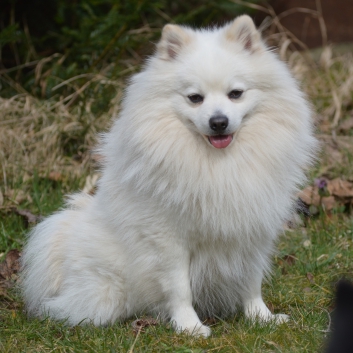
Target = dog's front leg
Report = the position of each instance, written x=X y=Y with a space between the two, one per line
x=179 y=297
x=254 y=306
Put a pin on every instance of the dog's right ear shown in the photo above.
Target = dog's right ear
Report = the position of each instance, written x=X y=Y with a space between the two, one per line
x=173 y=39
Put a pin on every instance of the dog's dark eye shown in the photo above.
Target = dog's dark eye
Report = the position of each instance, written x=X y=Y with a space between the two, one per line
x=195 y=98
x=235 y=94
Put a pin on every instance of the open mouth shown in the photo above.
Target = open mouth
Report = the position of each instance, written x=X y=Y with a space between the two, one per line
x=220 y=141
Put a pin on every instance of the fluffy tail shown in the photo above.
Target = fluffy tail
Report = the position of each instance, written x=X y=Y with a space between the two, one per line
x=44 y=255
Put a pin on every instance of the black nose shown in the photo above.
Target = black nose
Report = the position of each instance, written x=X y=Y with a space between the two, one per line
x=218 y=123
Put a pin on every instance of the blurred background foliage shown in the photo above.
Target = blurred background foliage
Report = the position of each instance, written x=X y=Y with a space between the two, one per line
x=43 y=44
x=64 y=66
x=63 y=70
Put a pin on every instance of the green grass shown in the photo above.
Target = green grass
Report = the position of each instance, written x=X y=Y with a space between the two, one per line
x=306 y=298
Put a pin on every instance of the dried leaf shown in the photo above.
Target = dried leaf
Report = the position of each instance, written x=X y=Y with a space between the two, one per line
x=27 y=215
x=289 y=259
x=310 y=277
x=340 y=188
x=340 y=192
x=141 y=324
x=328 y=203
x=1 y=198
x=12 y=258
x=55 y=176
x=310 y=196
x=11 y=264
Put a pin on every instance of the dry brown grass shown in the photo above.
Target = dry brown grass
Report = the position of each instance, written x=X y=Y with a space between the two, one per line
x=34 y=134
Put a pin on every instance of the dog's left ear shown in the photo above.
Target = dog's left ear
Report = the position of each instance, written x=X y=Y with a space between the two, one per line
x=174 y=39
x=243 y=30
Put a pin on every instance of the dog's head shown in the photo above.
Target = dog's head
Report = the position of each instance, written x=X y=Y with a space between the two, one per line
x=218 y=74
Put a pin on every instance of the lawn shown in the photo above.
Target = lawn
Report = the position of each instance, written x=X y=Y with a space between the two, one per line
x=309 y=262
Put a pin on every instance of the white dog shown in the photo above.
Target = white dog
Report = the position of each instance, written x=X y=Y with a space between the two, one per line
x=199 y=174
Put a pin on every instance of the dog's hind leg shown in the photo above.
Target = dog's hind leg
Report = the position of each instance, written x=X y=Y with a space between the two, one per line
x=73 y=268
x=88 y=297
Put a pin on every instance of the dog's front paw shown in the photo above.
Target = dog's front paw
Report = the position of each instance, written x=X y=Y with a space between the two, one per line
x=196 y=330
x=270 y=318
x=187 y=321
x=280 y=318
x=203 y=331
x=256 y=309
x=191 y=328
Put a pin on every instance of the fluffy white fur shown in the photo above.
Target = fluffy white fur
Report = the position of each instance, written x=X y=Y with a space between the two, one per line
x=177 y=226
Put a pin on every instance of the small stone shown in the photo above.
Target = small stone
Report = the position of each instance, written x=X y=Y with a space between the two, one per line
x=307 y=244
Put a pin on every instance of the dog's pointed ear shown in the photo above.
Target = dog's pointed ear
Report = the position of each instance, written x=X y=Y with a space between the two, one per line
x=243 y=30
x=174 y=38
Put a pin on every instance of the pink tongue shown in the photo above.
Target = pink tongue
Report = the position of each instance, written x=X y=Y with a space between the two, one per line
x=221 y=141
